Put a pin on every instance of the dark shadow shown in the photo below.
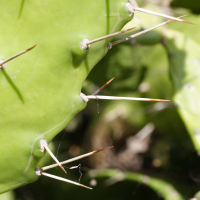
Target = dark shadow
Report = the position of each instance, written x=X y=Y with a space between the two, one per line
x=176 y=59
x=87 y=65
x=193 y=5
x=13 y=85
x=77 y=59
x=129 y=74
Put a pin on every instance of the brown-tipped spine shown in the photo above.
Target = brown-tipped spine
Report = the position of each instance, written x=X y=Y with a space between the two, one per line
x=15 y=56
x=103 y=86
x=140 y=33
x=97 y=151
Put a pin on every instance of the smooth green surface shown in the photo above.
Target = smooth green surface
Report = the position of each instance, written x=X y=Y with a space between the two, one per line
x=184 y=60
x=40 y=89
x=7 y=196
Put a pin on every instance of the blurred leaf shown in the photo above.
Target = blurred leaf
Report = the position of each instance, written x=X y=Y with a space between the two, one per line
x=184 y=60
x=7 y=196
x=123 y=64
x=154 y=83
x=192 y=31
x=193 y=5
x=111 y=179
x=197 y=196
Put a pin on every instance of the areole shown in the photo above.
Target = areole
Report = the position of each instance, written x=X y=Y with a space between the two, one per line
x=41 y=86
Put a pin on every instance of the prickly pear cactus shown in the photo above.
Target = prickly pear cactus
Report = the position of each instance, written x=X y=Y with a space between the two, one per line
x=184 y=60
x=40 y=90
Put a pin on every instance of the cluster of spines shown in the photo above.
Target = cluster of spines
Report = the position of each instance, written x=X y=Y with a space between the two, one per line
x=85 y=45
x=40 y=171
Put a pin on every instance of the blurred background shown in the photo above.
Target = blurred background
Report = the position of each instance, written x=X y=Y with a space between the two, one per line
x=155 y=153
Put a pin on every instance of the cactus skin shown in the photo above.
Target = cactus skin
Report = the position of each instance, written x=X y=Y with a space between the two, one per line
x=184 y=60
x=40 y=90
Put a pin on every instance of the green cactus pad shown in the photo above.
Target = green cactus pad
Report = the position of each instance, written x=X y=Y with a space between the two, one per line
x=40 y=90
x=184 y=60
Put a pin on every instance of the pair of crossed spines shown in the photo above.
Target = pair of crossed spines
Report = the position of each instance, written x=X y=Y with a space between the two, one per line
x=86 y=43
x=40 y=171
x=44 y=145
x=86 y=98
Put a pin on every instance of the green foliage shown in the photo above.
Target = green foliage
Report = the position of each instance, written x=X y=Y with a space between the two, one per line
x=193 y=5
x=184 y=59
x=121 y=185
x=7 y=196
x=191 y=31
x=197 y=196
x=40 y=96
x=116 y=179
